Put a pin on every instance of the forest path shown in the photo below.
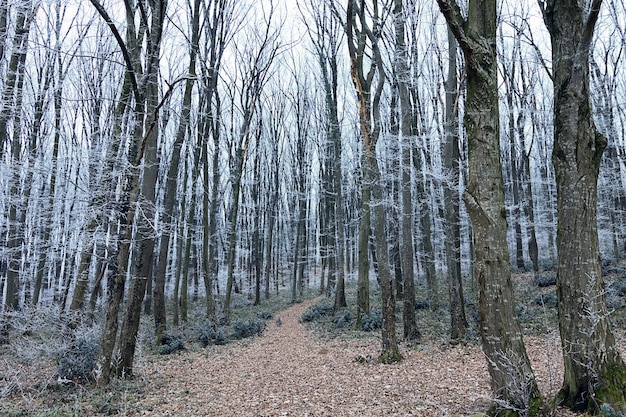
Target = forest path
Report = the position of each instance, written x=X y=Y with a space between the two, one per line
x=288 y=371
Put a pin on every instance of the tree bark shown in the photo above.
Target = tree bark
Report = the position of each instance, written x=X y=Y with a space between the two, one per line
x=11 y=110
x=594 y=370
x=452 y=164
x=411 y=332
x=513 y=384
x=171 y=183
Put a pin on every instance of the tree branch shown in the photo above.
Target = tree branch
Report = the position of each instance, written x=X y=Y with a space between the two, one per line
x=120 y=42
x=589 y=27
x=451 y=11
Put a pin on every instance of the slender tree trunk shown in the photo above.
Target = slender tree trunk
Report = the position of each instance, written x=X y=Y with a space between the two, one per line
x=363 y=279
x=171 y=183
x=232 y=235
x=209 y=224
x=370 y=125
x=270 y=230
x=147 y=138
x=411 y=332
x=452 y=164
x=11 y=110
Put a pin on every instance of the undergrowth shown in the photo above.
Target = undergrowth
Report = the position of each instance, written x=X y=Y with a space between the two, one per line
x=46 y=368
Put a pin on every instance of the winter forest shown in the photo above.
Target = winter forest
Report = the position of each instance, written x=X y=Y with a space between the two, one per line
x=159 y=157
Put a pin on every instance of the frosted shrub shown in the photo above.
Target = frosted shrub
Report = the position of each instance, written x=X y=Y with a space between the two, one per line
x=607 y=411
x=77 y=361
x=371 y=321
x=247 y=328
x=264 y=315
x=209 y=334
x=316 y=311
x=545 y=279
x=342 y=318
x=171 y=344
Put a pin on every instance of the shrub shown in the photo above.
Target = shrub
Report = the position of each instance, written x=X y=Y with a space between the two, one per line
x=545 y=280
x=316 y=311
x=78 y=361
x=247 y=328
x=614 y=295
x=309 y=316
x=546 y=299
x=342 y=318
x=221 y=319
x=607 y=411
x=422 y=305
x=209 y=334
x=171 y=344
x=264 y=315
x=371 y=321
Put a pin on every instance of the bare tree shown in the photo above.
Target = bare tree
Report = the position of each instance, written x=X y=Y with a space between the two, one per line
x=411 y=331
x=359 y=35
x=255 y=60
x=326 y=36
x=11 y=112
x=452 y=166
x=143 y=72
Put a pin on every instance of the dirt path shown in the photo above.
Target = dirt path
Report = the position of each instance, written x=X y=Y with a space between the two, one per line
x=289 y=372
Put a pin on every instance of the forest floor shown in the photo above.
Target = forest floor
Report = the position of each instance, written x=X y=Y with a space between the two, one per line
x=298 y=369
x=289 y=371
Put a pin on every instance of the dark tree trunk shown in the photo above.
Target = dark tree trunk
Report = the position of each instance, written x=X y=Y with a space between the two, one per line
x=411 y=332
x=370 y=124
x=594 y=370
x=513 y=384
x=363 y=279
x=452 y=163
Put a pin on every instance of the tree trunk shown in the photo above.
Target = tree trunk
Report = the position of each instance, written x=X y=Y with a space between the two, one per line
x=363 y=279
x=171 y=184
x=594 y=370
x=452 y=165
x=513 y=384
x=143 y=149
x=11 y=109
x=411 y=331
x=370 y=124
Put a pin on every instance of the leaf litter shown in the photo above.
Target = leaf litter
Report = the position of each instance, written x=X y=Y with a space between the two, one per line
x=288 y=371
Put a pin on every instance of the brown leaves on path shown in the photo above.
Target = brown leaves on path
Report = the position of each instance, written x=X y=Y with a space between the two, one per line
x=290 y=372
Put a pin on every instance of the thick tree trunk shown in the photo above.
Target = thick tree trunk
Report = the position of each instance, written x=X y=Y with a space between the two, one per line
x=143 y=149
x=370 y=125
x=513 y=384
x=390 y=352
x=594 y=370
